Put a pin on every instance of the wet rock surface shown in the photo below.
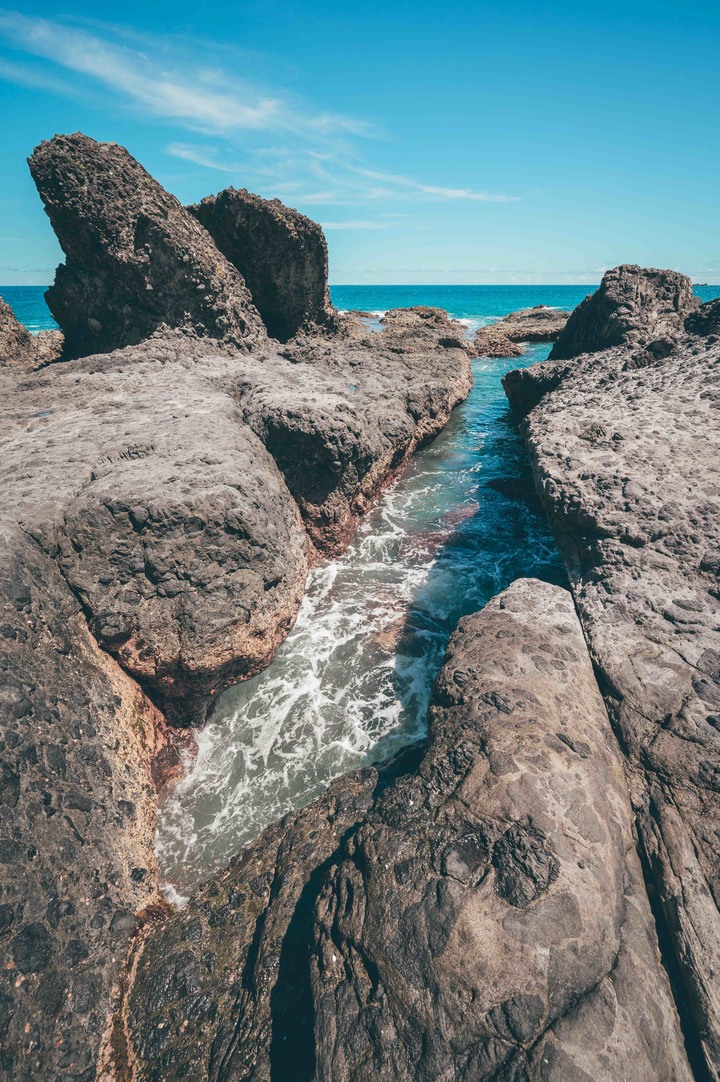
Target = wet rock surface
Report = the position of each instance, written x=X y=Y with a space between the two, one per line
x=136 y=260
x=633 y=306
x=482 y=916
x=504 y=338
x=281 y=254
x=20 y=348
x=626 y=458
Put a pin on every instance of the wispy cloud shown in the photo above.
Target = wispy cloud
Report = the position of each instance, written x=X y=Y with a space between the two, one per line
x=319 y=163
x=190 y=95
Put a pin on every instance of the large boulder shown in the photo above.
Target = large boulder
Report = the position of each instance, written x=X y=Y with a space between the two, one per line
x=705 y=320
x=136 y=259
x=626 y=455
x=281 y=254
x=19 y=347
x=481 y=917
x=633 y=306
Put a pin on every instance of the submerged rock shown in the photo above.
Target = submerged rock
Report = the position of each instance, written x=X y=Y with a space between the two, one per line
x=626 y=459
x=19 y=347
x=481 y=917
x=136 y=259
x=633 y=306
x=505 y=337
x=281 y=254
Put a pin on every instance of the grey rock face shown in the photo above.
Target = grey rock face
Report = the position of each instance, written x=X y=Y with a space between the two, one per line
x=705 y=320
x=489 y=919
x=136 y=260
x=19 y=347
x=633 y=306
x=482 y=917
x=281 y=254
x=627 y=463
x=166 y=516
x=78 y=877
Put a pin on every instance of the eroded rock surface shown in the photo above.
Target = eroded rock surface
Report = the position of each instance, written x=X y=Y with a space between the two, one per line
x=489 y=920
x=77 y=823
x=483 y=917
x=504 y=338
x=281 y=254
x=20 y=348
x=627 y=462
x=136 y=259
x=633 y=306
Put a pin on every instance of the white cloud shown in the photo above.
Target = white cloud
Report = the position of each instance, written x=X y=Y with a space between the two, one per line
x=188 y=95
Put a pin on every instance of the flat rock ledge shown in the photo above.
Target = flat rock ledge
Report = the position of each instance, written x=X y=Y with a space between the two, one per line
x=482 y=916
x=507 y=337
x=625 y=449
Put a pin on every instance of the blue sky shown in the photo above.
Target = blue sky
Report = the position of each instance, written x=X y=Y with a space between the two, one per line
x=460 y=143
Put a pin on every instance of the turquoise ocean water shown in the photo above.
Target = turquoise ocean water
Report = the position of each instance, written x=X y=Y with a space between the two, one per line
x=351 y=683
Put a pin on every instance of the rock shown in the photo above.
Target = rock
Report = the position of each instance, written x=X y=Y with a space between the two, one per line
x=342 y=420
x=504 y=337
x=222 y=990
x=632 y=306
x=136 y=260
x=481 y=916
x=489 y=918
x=627 y=463
x=705 y=320
x=281 y=254
x=19 y=347
x=166 y=516
x=76 y=745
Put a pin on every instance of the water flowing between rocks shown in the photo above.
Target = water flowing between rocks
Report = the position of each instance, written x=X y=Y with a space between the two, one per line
x=352 y=681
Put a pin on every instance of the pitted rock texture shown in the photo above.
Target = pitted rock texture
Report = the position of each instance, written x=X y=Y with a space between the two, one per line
x=281 y=254
x=165 y=514
x=20 y=348
x=136 y=259
x=483 y=917
x=222 y=990
x=633 y=306
x=627 y=463
x=489 y=919
x=77 y=865
x=705 y=320
x=505 y=337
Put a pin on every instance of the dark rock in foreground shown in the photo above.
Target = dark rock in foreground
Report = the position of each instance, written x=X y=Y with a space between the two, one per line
x=705 y=320
x=504 y=338
x=633 y=306
x=136 y=259
x=481 y=918
x=627 y=463
x=281 y=254
x=19 y=347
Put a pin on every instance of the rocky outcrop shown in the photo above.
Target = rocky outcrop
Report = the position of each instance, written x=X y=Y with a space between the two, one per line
x=504 y=338
x=20 y=348
x=481 y=917
x=705 y=320
x=136 y=260
x=77 y=864
x=626 y=458
x=633 y=306
x=281 y=254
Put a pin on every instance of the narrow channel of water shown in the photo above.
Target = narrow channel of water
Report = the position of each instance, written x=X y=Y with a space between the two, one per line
x=351 y=683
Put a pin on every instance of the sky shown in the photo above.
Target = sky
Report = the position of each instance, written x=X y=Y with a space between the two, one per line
x=504 y=142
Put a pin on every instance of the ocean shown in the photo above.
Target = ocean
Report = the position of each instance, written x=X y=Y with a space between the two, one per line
x=477 y=305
